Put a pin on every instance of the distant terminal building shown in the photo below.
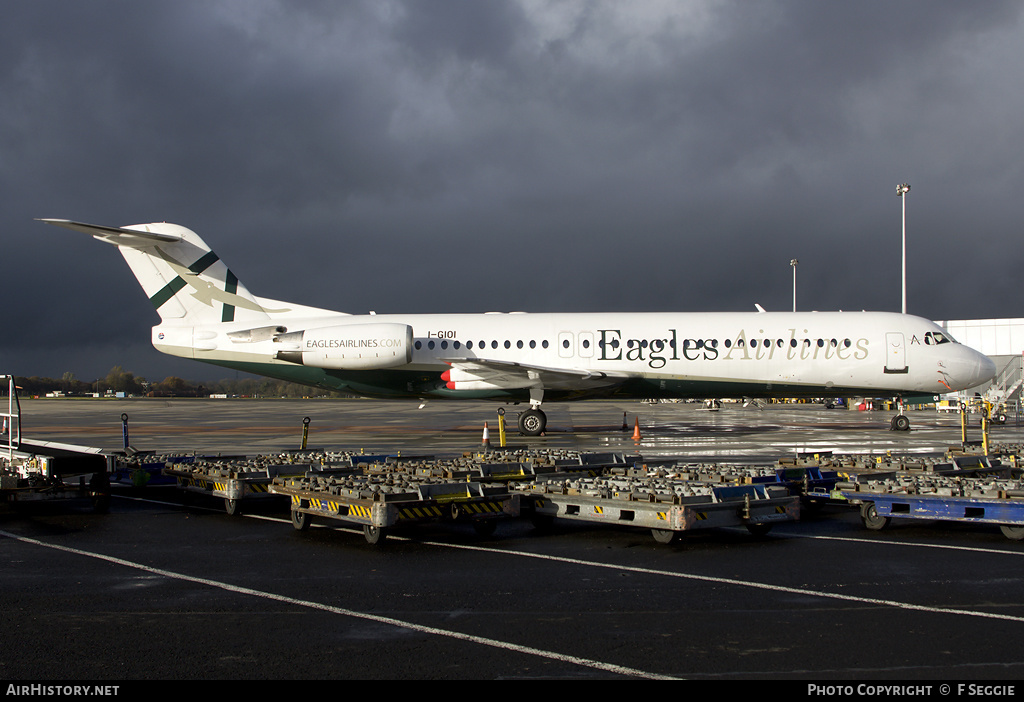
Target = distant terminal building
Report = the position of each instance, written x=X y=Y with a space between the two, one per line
x=1002 y=340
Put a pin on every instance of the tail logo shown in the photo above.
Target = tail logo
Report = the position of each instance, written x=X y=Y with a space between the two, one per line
x=202 y=290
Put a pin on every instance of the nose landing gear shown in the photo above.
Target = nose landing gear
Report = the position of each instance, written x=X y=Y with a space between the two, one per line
x=900 y=422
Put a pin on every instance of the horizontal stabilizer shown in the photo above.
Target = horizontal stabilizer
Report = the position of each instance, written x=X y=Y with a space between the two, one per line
x=115 y=235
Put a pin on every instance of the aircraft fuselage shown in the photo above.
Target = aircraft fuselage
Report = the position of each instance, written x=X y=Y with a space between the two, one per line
x=642 y=354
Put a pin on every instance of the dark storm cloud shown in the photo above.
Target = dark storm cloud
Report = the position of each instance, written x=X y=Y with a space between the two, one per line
x=469 y=156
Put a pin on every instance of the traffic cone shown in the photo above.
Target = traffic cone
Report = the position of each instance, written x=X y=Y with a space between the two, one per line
x=625 y=426
x=636 y=430
x=486 y=445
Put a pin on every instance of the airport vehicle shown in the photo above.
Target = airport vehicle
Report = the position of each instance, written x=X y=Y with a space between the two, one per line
x=208 y=315
x=946 y=497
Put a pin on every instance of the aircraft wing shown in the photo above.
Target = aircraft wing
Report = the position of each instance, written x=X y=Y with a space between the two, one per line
x=115 y=235
x=481 y=374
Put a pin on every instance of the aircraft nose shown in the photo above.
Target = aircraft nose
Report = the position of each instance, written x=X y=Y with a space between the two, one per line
x=976 y=368
x=986 y=369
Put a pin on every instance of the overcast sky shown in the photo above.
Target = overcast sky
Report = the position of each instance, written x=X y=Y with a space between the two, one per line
x=537 y=155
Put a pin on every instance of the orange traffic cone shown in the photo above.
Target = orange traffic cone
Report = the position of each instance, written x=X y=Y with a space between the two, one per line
x=636 y=430
x=487 y=438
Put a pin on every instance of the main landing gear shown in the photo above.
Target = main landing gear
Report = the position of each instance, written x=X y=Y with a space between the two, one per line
x=532 y=422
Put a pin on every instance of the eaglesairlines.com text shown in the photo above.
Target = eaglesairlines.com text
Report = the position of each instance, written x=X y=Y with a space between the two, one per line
x=63 y=690
x=866 y=690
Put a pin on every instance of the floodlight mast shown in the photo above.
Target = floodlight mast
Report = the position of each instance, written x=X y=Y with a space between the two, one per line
x=901 y=191
x=793 y=263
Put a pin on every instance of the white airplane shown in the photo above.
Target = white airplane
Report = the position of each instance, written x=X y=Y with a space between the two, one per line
x=208 y=315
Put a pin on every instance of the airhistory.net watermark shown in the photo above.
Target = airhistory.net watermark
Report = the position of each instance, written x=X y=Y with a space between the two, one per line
x=52 y=690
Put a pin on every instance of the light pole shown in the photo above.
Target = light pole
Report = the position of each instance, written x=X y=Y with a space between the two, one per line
x=901 y=192
x=793 y=263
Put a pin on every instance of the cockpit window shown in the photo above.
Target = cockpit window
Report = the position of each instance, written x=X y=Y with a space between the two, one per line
x=935 y=338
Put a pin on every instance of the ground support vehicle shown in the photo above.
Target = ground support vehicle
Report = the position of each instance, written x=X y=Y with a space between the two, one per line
x=235 y=479
x=798 y=479
x=666 y=506
x=57 y=474
x=385 y=501
x=982 y=500
x=142 y=469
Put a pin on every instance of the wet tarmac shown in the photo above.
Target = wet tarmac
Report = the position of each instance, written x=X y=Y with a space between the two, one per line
x=157 y=590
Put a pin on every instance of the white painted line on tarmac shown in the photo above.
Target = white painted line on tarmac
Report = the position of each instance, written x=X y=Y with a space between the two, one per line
x=915 y=544
x=739 y=583
x=585 y=662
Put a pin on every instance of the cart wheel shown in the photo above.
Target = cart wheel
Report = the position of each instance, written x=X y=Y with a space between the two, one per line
x=542 y=522
x=101 y=503
x=1012 y=531
x=232 y=507
x=664 y=536
x=374 y=534
x=900 y=423
x=99 y=483
x=758 y=529
x=485 y=527
x=300 y=520
x=872 y=520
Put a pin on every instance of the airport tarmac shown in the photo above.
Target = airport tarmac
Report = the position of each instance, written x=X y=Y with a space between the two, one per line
x=155 y=590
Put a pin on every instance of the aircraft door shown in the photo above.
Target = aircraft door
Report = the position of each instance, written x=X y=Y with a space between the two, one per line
x=895 y=353
x=565 y=340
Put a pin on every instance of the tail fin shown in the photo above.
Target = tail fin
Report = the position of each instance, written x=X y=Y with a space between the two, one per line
x=183 y=278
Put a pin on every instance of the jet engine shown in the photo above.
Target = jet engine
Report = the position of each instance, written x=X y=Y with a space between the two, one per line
x=348 y=346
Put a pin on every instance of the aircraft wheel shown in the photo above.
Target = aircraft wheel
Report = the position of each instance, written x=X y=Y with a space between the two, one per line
x=900 y=423
x=532 y=422
x=871 y=518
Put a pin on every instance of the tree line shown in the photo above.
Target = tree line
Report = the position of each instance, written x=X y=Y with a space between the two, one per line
x=119 y=380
